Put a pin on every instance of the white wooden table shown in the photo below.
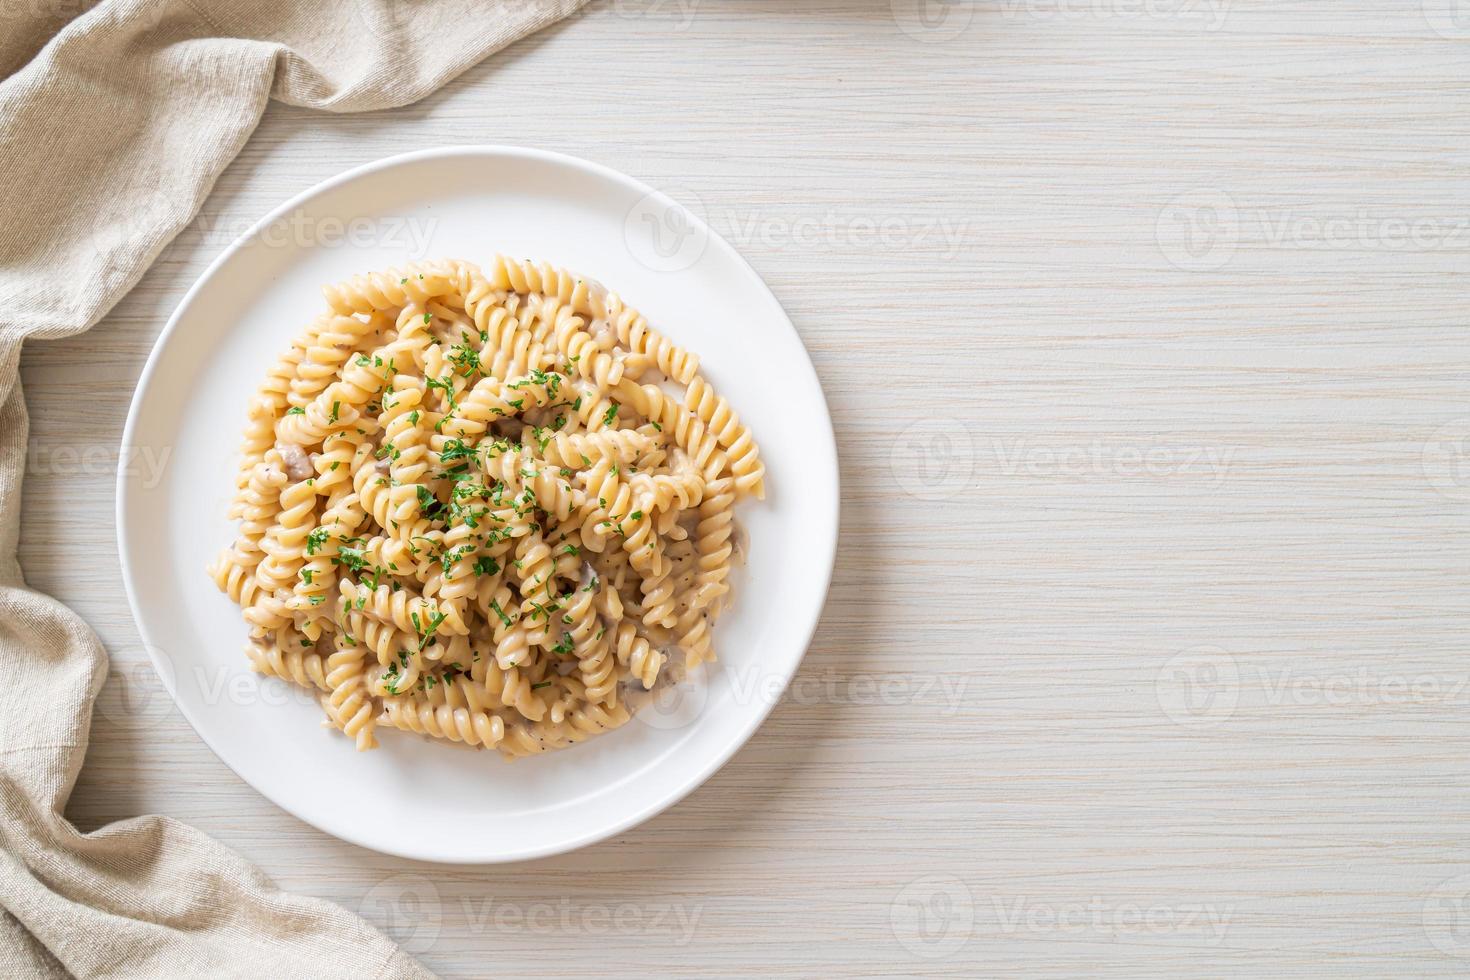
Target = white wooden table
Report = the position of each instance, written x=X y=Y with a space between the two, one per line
x=1144 y=329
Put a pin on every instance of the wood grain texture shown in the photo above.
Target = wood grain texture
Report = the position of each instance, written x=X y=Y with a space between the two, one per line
x=1144 y=330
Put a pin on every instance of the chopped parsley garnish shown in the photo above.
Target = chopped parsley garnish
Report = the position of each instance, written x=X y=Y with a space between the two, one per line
x=316 y=539
x=351 y=558
x=463 y=357
x=426 y=630
x=456 y=449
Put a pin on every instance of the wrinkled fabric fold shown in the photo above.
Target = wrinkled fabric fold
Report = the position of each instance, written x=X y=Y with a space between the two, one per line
x=116 y=118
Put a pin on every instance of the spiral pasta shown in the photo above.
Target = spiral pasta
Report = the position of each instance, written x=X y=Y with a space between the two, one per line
x=485 y=506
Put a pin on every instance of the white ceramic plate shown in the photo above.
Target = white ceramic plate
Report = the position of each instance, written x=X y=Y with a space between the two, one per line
x=411 y=797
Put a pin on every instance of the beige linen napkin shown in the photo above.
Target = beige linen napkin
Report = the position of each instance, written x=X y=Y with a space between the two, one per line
x=115 y=119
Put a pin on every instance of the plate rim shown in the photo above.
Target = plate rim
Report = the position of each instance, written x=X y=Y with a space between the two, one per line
x=660 y=802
